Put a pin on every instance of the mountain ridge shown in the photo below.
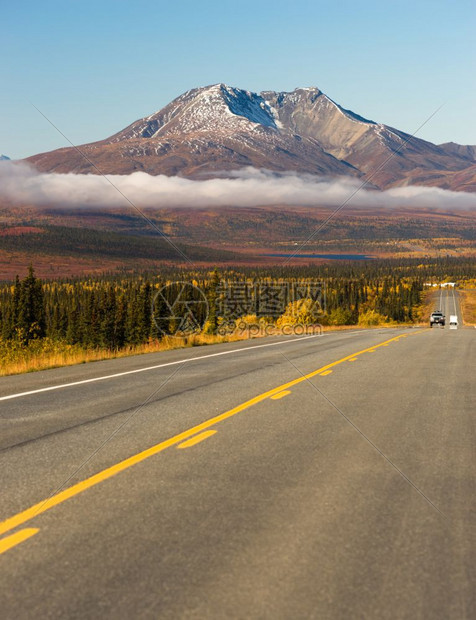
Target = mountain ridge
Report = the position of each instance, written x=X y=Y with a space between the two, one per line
x=220 y=128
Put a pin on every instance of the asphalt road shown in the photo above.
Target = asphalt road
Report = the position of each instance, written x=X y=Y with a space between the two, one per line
x=327 y=477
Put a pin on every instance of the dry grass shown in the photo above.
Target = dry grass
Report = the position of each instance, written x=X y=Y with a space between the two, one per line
x=59 y=355
x=468 y=306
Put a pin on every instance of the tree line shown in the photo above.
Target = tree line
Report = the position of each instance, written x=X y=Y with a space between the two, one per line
x=125 y=310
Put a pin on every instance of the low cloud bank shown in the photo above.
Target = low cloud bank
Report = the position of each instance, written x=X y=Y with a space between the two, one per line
x=21 y=184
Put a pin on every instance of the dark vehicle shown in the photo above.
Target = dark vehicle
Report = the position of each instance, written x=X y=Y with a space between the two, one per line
x=437 y=318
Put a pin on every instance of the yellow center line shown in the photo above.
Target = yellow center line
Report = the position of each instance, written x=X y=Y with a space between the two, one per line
x=17 y=538
x=353 y=359
x=280 y=394
x=105 y=474
x=194 y=440
x=326 y=372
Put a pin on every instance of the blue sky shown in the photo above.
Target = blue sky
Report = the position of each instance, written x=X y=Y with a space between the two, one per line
x=94 y=67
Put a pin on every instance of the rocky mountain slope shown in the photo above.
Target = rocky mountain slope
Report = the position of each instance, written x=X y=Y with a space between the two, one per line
x=217 y=129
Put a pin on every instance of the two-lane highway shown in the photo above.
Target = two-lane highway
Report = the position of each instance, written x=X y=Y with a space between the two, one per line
x=324 y=477
x=448 y=303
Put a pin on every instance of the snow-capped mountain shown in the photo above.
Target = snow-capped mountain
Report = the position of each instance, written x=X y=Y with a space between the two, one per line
x=219 y=128
x=4 y=158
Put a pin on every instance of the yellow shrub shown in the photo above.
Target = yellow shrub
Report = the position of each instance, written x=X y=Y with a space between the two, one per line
x=300 y=312
x=371 y=317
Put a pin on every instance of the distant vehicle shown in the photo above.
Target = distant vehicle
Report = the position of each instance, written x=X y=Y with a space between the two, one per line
x=453 y=321
x=437 y=318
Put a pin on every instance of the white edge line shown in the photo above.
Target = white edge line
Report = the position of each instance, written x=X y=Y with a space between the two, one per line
x=183 y=361
x=137 y=370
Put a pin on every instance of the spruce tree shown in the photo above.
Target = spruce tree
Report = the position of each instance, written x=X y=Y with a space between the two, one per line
x=31 y=310
x=212 y=321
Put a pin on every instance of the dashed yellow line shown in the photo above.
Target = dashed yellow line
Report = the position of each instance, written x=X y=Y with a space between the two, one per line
x=194 y=440
x=17 y=538
x=326 y=372
x=62 y=496
x=280 y=394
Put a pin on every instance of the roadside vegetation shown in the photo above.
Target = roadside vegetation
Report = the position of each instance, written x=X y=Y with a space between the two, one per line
x=68 y=321
x=468 y=303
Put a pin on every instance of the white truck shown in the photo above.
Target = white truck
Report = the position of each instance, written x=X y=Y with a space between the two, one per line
x=453 y=321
